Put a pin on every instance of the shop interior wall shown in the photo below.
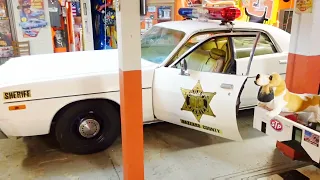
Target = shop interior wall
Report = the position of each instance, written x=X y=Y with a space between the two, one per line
x=157 y=3
x=286 y=5
x=42 y=43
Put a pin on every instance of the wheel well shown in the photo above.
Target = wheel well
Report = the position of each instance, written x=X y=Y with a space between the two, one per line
x=63 y=109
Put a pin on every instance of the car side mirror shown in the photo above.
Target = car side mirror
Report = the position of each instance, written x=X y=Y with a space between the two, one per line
x=184 y=68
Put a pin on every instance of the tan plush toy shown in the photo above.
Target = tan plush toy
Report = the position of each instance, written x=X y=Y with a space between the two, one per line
x=286 y=101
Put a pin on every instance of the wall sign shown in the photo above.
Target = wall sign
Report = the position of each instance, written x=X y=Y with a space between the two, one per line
x=311 y=138
x=304 y=6
x=276 y=125
x=152 y=9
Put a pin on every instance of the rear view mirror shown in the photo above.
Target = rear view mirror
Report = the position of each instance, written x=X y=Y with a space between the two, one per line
x=184 y=68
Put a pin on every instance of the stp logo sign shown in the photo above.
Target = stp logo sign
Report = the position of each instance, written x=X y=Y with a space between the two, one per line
x=276 y=125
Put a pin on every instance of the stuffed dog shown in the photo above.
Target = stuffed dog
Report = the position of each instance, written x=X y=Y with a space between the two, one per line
x=286 y=101
x=265 y=97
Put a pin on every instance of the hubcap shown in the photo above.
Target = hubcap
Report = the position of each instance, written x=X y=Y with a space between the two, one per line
x=89 y=128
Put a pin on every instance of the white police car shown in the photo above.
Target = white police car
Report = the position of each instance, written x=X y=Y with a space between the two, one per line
x=76 y=95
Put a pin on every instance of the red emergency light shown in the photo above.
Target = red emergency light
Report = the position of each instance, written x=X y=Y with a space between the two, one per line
x=225 y=14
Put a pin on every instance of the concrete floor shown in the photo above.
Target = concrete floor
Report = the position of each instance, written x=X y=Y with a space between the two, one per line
x=171 y=152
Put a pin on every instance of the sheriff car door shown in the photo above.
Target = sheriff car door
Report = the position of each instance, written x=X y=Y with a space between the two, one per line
x=199 y=99
x=267 y=59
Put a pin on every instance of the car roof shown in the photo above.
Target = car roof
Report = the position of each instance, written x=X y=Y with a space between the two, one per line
x=192 y=26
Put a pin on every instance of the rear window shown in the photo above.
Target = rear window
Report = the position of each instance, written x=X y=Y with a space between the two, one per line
x=243 y=46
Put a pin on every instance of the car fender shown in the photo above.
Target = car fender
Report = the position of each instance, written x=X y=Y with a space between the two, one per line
x=37 y=117
x=67 y=106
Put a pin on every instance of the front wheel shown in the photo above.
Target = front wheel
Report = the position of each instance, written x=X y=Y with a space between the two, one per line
x=88 y=127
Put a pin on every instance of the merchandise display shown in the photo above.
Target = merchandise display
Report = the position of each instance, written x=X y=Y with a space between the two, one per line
x=104 y=21
x=59 y=39
x=67 y=26
x=55 y=13
x=57 y=26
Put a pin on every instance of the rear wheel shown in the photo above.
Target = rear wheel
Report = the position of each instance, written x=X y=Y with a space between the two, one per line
x=88 y=127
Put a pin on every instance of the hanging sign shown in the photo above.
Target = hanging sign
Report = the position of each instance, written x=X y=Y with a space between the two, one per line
x=303 y=6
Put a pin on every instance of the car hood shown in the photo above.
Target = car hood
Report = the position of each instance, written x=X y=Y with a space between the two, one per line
x=61 y=65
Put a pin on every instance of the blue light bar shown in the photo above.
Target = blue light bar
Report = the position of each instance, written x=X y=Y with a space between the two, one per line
x=187 y=12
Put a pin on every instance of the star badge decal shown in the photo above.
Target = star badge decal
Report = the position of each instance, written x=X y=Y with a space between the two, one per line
x=197 y=101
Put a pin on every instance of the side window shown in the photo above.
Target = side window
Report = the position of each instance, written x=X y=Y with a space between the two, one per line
x=193 y=41
x=211 y=56
x=244 y=45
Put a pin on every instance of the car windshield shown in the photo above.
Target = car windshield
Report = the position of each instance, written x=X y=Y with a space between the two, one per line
x=159 y=42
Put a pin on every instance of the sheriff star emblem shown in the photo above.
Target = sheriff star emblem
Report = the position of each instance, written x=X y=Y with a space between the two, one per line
x=197 y=101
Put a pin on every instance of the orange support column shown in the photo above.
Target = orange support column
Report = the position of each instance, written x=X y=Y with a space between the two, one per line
x=303 y=70
x=129 y=48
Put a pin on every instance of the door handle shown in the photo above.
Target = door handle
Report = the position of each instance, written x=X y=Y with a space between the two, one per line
x=85 y=8
x=283 y=61
x=226 y=86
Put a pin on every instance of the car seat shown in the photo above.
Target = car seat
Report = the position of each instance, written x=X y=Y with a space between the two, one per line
x=211 y=63
x=197 y=59
x=223 y=44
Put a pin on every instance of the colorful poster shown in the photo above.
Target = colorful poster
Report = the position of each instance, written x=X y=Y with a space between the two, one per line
x=218 y=3
x=6 y=49
x=259 y=8
x=259 y=11
x=32 y=17
x=194 y=2
x=303 y=6
x=311 y=138
x=164 y=13
x=3 y=10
